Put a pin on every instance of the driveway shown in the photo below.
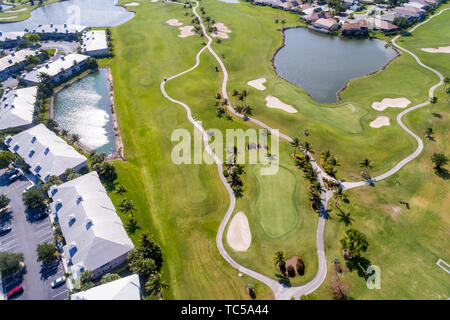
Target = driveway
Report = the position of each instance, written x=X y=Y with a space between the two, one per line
x=24 y=237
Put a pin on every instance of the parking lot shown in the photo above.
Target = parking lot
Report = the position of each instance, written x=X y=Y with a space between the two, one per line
x=24 y=237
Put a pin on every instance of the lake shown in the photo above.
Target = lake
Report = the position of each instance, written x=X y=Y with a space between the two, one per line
x=321 y=64
x=91 y=13
x=84 y=108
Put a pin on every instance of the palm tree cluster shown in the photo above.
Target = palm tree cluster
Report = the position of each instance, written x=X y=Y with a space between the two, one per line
x=303 y=161
x=221 y=106
x=146 y=260
x=329 y=163
x=240 y=103
x=126 y=206
x=232 y=173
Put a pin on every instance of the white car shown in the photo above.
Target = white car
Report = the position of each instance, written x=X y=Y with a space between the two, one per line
x=58 y=282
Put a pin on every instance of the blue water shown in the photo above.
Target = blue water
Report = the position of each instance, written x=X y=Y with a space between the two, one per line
x=321 y=64
x=84 y=108
x=91 y=13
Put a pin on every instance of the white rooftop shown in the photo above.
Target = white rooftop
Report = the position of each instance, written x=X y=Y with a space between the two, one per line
x=94 y=40
x=16 y=107
x=91 y=227
x=45 y=152
x=54 y=68
x=127 y=288
x=16 y=57
x=59 y=28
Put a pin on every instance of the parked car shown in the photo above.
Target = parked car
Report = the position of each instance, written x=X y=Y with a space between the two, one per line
x=9 y=173
x=5 y=229
x=15 y=177
x=40 y=215
x=14 y=292
x=58 y=282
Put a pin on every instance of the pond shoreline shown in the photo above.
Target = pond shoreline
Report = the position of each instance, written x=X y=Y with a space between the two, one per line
x=346 y=84
x=118 y=153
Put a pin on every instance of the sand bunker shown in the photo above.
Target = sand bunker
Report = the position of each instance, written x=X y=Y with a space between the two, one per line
x=14 y=11
x=438 y=50
x=132 y=4
x=186 y=31
x=222 y=31
x=8 y=18
x=390 y=103
x=274 y=102
x=380 y=121
x=258 y=83
x=174 y=22
x=238 y=235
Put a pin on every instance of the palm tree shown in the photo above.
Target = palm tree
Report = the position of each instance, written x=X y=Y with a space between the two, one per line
x=127 y=206
x=365 y=164
x=428 y=133
x=326 y=154
x=340 y=196
x=121 y=190
x=279 y=258
x=446 y=82
x=296 y=144
x=155 y=285
x=239 y=169
x=75 y=138
x=307 y=148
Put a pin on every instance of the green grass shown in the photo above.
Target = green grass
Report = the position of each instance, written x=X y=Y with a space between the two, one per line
x=433 y=34
x=183 y=205
x=22 y=15
x=275 y=207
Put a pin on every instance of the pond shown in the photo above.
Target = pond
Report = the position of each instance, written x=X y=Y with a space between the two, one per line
x=321 y=64
x=91 y=13
x=84 y=108
x=5 y=6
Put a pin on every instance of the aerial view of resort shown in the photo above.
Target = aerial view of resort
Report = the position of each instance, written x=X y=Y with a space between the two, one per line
x=224 y=150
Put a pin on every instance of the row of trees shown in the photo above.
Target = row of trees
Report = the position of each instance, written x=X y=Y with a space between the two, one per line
x=303 y=161
x=146 y=260
x=241 y=105
x=233 y=172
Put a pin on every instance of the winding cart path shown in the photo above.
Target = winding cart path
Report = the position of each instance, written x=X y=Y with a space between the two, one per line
x=283 y=292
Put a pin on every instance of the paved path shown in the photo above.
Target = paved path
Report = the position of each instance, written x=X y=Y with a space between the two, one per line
x=282 y=292
x=415 y=154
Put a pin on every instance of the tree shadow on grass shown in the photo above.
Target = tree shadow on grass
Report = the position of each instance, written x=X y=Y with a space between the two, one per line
x=132 y=226
x=360 y=264
x=437 y=115
x=442 y=173
x=283 y=280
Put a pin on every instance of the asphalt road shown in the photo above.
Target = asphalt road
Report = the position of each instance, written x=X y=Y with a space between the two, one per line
x=24 y=237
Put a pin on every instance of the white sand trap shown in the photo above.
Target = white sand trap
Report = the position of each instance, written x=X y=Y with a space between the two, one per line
x=174 y=22
x=18 y=10
x=238 y=236
x=258 y=83
x=186 y=31
x=222 y=31
x=390 y=103
x=132 y=4
x=438 y=50
x=275 y=103
x=8 y=18
x=380 y=121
